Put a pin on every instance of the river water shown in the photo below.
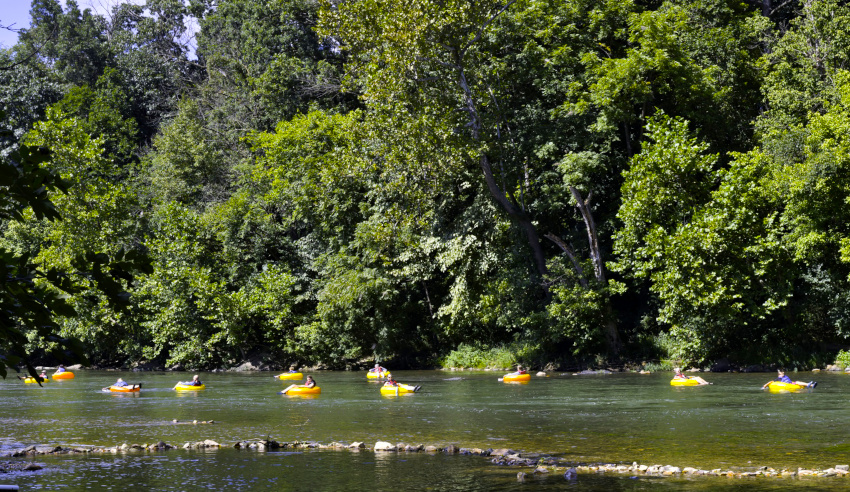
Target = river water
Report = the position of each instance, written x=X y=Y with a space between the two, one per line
x=618 y=418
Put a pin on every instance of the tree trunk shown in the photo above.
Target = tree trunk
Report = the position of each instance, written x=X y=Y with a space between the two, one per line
x=514 y=211
x=612 y=335
x=593 y=242
x=517 y=214
x=569 y=251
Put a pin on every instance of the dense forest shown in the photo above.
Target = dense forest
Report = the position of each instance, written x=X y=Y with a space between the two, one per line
x=198 y=183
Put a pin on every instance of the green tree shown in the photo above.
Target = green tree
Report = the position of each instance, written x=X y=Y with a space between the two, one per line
x=34 y=293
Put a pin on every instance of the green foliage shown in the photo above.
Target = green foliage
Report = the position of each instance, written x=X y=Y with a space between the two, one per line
x=843 y=358
x=667 y=183
x=34 y=292
x=482 y=357
x=337 y=181
x=72 y=42
x=660 y=366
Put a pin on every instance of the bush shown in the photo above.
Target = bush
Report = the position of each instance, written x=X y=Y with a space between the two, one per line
x=843 y=359
x=499 y=357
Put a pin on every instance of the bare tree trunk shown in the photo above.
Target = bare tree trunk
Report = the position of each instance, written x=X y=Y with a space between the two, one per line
x=593 y=242
x=612 y=335
x=510 y=206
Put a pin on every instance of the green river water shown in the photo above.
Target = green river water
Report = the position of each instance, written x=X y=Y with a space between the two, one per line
x=617 y=418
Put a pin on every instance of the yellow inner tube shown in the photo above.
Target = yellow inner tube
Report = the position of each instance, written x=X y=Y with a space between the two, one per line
x=684 y=382
x=188 y=387
x=779 y=386
x=32 y=380
x=290 y=375
x=301 y=390
x=402 y=389
x=134 y=388
x=509 y=378
x=64 y=375
x=377 y=375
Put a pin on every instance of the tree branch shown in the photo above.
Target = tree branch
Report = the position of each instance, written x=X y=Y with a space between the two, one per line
x=569 y=251
x=484 y=26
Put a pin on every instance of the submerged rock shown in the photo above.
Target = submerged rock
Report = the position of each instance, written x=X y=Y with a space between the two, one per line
x=451 y=449
x=13 y=466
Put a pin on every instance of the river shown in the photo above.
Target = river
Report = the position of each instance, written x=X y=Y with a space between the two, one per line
x=617 y=418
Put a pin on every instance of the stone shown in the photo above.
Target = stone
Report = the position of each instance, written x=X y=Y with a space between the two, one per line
x=384 y=446
x=643 y=468
x=502 y=452
x=520 y=477
x=541 y=374
x=541 y=469
x=689 y=470
x=451 y=449
x=431 y=449
x=358 y=445
x=571 y=474
x=208 y=443
x=32 y=467
x=842 y=467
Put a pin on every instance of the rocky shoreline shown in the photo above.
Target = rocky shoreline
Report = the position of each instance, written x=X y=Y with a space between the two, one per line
x=530 y=463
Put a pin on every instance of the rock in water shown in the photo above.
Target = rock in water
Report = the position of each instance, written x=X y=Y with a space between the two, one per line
x=520 y=477
x=571 y=474
x=384 y=446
